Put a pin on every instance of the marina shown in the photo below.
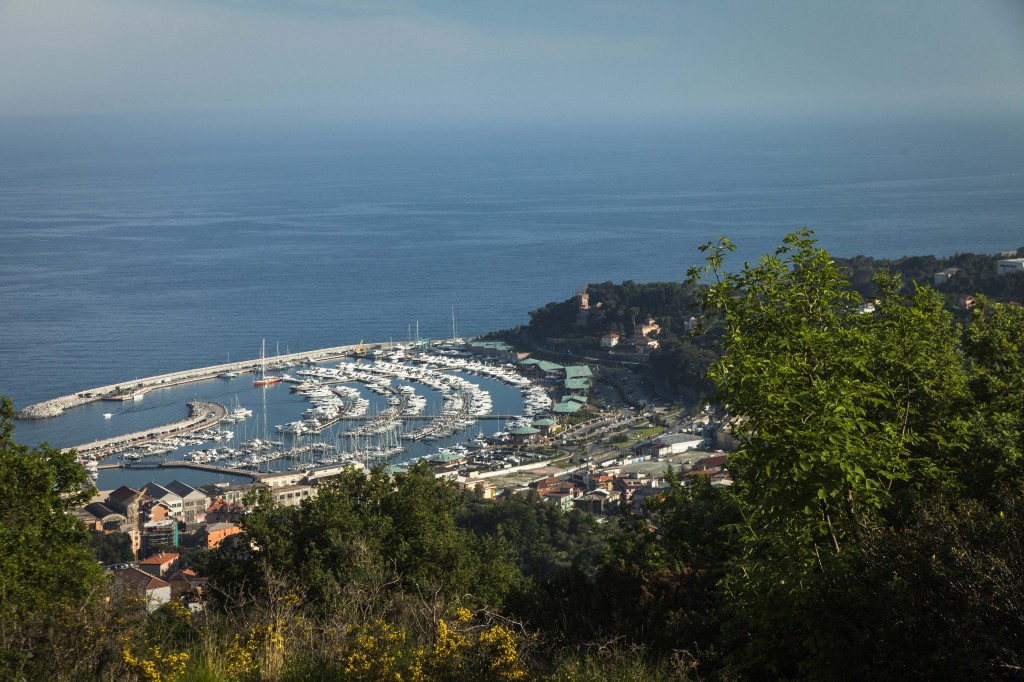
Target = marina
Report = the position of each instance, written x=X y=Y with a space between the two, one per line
x=364 y=404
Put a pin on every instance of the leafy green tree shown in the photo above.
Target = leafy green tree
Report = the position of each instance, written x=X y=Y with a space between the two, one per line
x=364 y=540
x=112 y=548
x=937 y=598
x=47 y=568
x=841 y=413
x=995 y=344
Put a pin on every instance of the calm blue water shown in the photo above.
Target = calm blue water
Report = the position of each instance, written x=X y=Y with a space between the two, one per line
x=128 y=255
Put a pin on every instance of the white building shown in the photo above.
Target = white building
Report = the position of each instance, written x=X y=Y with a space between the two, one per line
x=1009 y=265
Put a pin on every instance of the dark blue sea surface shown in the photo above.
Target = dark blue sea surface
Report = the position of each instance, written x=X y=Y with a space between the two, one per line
x=124 y=258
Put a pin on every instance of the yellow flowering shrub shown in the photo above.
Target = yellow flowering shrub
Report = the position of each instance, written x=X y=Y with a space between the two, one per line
x=468 y=653
x=156 y=666
x=375 y=654
x=459 y=651
x=503 y=652
x=262 y=647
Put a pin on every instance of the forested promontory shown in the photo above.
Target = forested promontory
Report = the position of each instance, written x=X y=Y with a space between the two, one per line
x=685 y=351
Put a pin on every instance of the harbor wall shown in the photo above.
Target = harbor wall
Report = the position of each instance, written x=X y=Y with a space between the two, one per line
x=57 y=406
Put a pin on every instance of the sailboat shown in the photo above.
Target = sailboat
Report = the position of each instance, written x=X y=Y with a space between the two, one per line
x=456 y=339
x=263 y=379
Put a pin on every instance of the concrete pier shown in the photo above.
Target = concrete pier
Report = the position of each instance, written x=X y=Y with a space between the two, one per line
x=201 y=416
x=182 y=465
x=56 y=406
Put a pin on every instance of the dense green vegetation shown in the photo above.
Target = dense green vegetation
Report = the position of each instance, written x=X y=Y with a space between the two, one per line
x=977 y=275
x=873 y=531
x=682 y=362
x=46 y=567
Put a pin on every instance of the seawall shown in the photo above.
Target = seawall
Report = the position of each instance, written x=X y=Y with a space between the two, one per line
x=57 y=406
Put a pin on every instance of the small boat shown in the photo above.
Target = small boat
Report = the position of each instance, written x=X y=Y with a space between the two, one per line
x=108 y=415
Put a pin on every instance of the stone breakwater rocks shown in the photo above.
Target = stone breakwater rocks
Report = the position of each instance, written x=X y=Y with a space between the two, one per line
x=52 y=408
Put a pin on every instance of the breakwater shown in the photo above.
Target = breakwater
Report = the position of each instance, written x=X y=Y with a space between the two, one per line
x=201 y=416
x=181 y=465
x=129 y=390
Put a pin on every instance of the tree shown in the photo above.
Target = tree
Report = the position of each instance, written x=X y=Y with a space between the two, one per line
x=47 y=567
x=112 y=548
x=365 y=540
x=841 y=413
x=995 y=346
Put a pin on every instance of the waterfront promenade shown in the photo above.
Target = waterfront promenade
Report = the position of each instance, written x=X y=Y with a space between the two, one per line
x=57 y=406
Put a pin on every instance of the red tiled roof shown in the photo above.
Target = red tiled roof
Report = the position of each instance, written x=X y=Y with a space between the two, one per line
x=160 y=559
x=140 y=578
x=717 y=473
x=712 y=462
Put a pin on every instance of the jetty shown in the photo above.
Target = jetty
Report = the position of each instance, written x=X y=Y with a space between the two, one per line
x=134 y=390
x=195 y=466
x=202 y=415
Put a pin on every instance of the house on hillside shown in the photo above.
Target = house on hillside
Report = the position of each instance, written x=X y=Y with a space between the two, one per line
x=643 y=333
x=213 y=534
x=943 y=276
x=221 y=511
x=154 y=590
x=599 y=501
x=160 y=565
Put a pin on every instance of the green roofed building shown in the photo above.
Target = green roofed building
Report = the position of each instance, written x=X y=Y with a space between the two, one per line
x=445 y=458
x=498 y=349
x=541 y=366
x=524 y=434
x=578 y=372
x=567 y=407
x=576 y=384
x=545 y=425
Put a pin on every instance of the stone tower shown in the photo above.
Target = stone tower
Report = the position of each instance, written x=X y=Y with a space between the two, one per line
x=583 y=301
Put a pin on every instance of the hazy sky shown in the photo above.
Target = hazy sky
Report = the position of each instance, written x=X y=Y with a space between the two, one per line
x=558 y=60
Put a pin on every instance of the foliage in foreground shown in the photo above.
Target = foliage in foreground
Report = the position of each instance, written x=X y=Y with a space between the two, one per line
x=860 y=427
x=873 y=531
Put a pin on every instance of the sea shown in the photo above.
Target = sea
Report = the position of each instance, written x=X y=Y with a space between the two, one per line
x=130 y=249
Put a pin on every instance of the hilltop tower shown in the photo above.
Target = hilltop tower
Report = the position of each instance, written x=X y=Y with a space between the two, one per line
x=583 y=303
